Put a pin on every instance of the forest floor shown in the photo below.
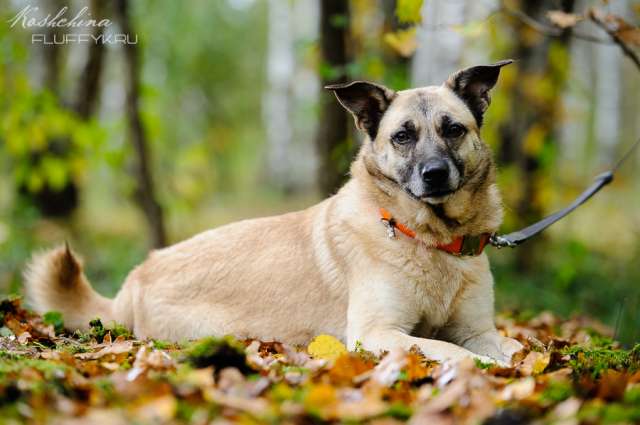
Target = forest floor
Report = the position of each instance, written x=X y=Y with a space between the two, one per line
x=570 y=372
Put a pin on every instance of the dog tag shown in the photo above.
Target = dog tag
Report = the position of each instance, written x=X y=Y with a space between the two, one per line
x=391 y=228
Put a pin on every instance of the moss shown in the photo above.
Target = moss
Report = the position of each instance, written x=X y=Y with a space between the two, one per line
x=162 y=345
x=557 y=391
x=399 y=411
x=8 y=355
x=598 y=340
x=595 y=360
x=49 y=369
x=54 y=318
x=72 y=348
x=106 y=387
x=185 y=411
x=632 y=396
x=98 y=331
x=611 y=413
x=218 y=352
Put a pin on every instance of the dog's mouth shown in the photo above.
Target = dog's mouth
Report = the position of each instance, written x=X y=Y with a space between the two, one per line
x=432 y=197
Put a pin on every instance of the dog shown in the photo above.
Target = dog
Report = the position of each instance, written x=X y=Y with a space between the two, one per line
x=372 y=265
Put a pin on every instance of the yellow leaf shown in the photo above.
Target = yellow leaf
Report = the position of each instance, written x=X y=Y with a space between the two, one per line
x=408 y=11
x=402 y=41
x=326 y=347
x=541 y=364
x=321 y=395
x=534 y=363
x=534 y=140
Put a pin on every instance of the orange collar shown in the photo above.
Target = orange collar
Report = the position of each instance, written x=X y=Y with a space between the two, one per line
x=460 y=246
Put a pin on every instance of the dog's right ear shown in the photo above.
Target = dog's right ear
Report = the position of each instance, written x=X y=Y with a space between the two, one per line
x=473 y=85
x=366 y=101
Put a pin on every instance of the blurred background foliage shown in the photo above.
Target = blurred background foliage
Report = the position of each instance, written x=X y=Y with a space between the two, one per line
x=217 y=114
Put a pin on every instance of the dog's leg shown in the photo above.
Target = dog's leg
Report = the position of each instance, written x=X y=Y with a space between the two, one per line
x=471 y=324
x=381 y=316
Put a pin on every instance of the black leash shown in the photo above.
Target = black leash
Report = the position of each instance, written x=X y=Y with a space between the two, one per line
x=516 y=238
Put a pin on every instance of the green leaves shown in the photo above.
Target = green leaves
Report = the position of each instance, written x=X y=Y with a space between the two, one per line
x=54 y=318
x=408 y=11
x=46 y=143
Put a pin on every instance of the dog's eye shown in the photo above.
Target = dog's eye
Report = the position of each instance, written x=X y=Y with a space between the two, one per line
x=454 y=131
x=401 y=137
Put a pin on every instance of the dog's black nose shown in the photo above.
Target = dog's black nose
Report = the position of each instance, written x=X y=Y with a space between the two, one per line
x=435 y=172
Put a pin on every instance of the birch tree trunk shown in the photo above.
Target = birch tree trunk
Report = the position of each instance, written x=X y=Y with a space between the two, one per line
x=439 y=48
x=278 y=99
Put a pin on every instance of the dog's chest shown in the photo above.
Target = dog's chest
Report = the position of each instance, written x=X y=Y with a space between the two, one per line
x=437 y=281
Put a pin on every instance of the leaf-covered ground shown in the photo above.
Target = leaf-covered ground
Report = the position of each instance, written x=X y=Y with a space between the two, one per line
x=569 y=373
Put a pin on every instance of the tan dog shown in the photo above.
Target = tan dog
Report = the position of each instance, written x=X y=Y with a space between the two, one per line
x=332 y=268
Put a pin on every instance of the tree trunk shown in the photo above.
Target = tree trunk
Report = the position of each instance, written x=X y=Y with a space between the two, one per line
x=53 y=202
x=332 y=138
x=89 y=86
x=439 y=48
x=527 y=134
x=398 y=72
x=277 y=99
x=145 y=192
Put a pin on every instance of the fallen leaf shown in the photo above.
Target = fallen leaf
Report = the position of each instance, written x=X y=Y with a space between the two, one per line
x=24 y=337
x=563 y=19
x=118 y=347
x=612 y=385
x=519 y=389
x=326 y=347
x=158 y=410
x=347 y=367
x=534 y=363
x=565 y=412
x=390 y=367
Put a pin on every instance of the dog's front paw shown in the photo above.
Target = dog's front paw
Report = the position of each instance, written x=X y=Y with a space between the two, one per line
x=500 y=348
x=509 y=347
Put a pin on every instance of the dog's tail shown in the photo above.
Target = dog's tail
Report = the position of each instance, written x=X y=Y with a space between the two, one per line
x=54 y=280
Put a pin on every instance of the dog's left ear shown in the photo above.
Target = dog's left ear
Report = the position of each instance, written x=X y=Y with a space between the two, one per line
x=366 y=101
x=472 y=85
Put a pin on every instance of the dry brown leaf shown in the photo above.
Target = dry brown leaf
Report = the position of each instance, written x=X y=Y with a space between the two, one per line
x=624 y=30
x=291 y=385
x=612 y=385
x=563 y=19
x=118 y=347
x=630 y=36
x=158 y=410
x=519 y=389
x=347 y=367
x=389 y=368
x=535 y=363
x=24 y=337
x=417 y=368
x=565 y=412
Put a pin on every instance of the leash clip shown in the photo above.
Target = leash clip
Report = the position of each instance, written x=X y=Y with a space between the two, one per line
x=501 y=242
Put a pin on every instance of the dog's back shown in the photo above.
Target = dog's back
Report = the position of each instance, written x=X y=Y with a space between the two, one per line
x=202 y=285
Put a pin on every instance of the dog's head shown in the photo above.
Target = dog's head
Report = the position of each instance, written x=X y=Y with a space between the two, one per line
x=426 y=140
